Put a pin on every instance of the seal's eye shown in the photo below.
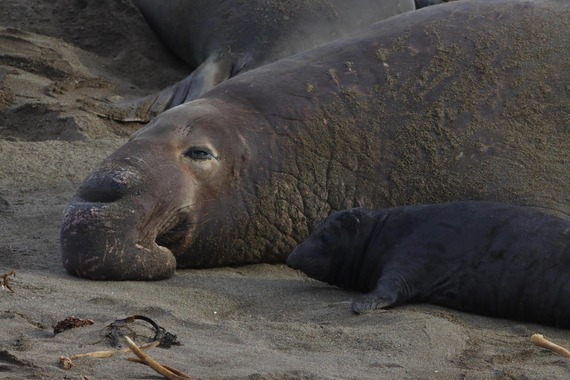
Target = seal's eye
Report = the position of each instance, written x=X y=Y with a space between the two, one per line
x=196 y=153
x=324 y=238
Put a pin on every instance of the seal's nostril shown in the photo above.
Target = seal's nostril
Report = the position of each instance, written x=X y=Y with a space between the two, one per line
x=100 y=194
x=108 y=186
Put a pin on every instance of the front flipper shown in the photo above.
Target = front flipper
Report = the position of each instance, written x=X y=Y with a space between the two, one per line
x=208 y=75
x=391 y=289
x=371 y=301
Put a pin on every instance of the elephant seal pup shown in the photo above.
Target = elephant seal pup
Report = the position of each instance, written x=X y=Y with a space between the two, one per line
x=425 y=107
x=222 y=38
x=481 y=257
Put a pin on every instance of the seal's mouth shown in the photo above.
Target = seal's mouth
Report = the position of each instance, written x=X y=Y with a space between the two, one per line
x=171 y=236
x=110 y=241
x=176 y=233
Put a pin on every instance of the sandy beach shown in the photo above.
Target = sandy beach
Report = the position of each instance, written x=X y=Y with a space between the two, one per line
x=255 y=322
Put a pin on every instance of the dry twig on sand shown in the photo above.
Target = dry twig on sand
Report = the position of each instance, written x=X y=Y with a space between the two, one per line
x=162 y=338
x=541 y=341
x=65 y=362
x=167 y=372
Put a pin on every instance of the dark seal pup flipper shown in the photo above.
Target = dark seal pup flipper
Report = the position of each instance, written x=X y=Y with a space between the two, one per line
x=382 y=297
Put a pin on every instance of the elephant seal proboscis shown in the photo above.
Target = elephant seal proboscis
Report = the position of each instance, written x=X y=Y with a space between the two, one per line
x=481 y=257
x=465 y=100
x=222 y=39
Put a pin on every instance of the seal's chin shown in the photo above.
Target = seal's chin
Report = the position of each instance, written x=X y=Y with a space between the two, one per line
x=98 y=242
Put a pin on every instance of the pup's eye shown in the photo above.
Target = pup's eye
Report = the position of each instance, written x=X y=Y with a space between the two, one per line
x=195 y=153
x=324 y=238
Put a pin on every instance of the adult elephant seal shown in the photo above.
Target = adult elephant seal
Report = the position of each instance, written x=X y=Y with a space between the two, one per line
x=466 y=100
x=222 y=38
x=487 y=258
